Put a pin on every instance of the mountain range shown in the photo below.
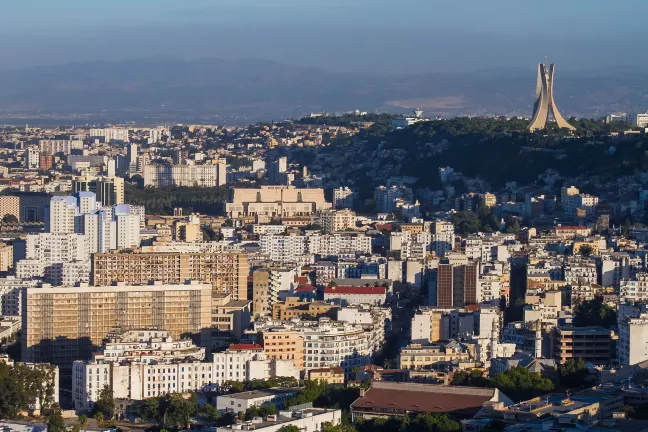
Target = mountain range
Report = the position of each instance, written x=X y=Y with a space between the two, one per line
x=229 y=92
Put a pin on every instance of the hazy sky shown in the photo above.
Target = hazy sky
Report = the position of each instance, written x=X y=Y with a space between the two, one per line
x=377 y=36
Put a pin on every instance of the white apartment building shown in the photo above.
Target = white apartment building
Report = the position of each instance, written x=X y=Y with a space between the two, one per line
x=336 y=220
x=353 y=295
x=635 y=290
x=144 y=364
x=443 y=237
x=330 y=343
x=47 y=254
x=306 y=420
x=52 y=147
x=638 y=119
x=110 y=134
x=32 y=158
x=299 y=249
x=581 y=201
x=343 y=198
x=386 y=198
x=185 y=175
x=60 y=214
x=10 y=299
x=579 y=272
x=615 y=267
x=632 y=347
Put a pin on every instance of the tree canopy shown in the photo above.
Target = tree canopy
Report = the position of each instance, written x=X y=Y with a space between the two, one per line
x=20 y=387
x=164 y=200
x=517 y=383
x=595 y=313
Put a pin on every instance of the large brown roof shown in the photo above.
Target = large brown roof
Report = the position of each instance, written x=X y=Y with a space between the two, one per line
x=399 y=398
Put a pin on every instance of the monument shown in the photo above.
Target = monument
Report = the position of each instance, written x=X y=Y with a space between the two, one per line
x=545 y=104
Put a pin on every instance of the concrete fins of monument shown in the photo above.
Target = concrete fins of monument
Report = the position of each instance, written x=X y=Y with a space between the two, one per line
x=545 y=103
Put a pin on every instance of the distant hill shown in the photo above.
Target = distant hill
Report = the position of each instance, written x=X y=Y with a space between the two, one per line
x=252 y=89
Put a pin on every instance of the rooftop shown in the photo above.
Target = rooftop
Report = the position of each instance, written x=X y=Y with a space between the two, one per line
x=256 y=394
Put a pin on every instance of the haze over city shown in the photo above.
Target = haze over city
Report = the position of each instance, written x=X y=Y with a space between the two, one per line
x=323 y=216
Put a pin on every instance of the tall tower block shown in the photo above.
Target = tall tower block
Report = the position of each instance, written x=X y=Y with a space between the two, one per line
x=545 y=104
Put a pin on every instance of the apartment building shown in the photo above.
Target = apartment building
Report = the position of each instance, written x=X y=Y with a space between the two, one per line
x=336 y=220
x=281 y=343
x=109 y=190
x=292 y=307
x=592 y=344
x=110 y=134
x=211 y=175
x=417 y=356
x=226 y=272
x=343 y=198
x=60 y=325
x=52 y=147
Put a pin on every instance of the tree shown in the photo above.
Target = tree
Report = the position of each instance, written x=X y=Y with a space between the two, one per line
x=521 y=384
x=209 y=414
x=99 y=417
x=105 y=404
x=289 y=428
x=472 y=378
x=83 y=420
x=573 y=373
x=595 y=313
x=9 y=218
x=586 y=250
x=55 y=421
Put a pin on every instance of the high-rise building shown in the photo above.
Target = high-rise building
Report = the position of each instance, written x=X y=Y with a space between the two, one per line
x=61 y=325
x=32 y=158
x=45 y=162
x=56 y=257
x=343 y=198
x=545 y=104
x=184 y=175
x=52 y=147
x=277 y=169
x=337 y=220
x=456 y=285
x=638 y=119
x=132 y=158
x=110 y=134
x=60 y=214
x=109 y=190
x=227 y=272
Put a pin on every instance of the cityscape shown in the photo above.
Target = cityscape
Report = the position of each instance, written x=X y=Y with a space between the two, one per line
x=414 y=269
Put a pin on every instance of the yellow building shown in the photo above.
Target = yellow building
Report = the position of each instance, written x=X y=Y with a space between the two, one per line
x=294 y=308
x=227 y=272
x=332 y=375
x=6 y=257
x=284 y=345
x=416 y=356
x=60 y=325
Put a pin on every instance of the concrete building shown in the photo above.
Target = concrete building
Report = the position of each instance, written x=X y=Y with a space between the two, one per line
x=109 y=190
x=638 y=119
x=592 y=344
x=237 y=402
x=271 y=201
x=331 y=375
x=226 y=272
x=632 y=346
x=306 y=420
x=51 y=147
x=417 y=356
x=343 y=198
x=158 y=176
x=336 y=220
x=48 y=254
x=110 y=134
x=350 y=295
x=25 y=206
x=32 y=158
x=48 y=316
x=292 y=307
x=456 y=285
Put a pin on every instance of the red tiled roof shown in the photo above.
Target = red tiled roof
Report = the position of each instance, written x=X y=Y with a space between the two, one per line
x=245 y=347
x=406 y=397
x=355 y=290
x=301 y=280
x=305 y=288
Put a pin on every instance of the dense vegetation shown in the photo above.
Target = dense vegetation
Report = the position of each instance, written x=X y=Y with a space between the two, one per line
x=517 y=383
x=595 y=313
x=20 y=387
x=164 y=200
x=171 y=411
x=348 y=120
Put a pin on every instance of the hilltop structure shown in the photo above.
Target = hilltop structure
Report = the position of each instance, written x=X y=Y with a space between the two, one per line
x=545 y=104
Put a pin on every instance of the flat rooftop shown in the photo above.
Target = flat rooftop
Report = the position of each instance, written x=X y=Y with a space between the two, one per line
x=255 y=394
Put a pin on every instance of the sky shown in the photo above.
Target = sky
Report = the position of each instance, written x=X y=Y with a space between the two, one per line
x=358 y=36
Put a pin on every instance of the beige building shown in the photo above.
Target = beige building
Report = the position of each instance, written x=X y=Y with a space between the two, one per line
x=6 y=257
x=284 y=345
x=227 y=272
x=187 y=231
x=60 y=325
x=337 y=220
x=294 y=308
x=260 y=292
x=417 y=356
x=280 y=201
x=332 y=375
